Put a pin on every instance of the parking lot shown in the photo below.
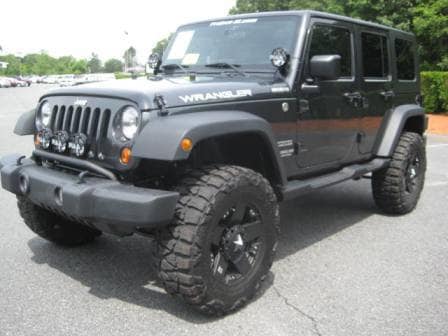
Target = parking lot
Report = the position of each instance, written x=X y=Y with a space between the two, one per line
x=342 y=268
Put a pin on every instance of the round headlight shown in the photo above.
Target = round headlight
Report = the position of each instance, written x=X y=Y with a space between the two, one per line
x=43 y=116
x=130 y=121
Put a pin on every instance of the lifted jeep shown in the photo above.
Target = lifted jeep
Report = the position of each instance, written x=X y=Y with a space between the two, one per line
x=242 y=113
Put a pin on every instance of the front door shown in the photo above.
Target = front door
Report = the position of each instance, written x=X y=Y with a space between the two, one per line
x=329 y=116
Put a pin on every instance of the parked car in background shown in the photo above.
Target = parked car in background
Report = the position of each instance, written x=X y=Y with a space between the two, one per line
x=23 y=81
x=5 y=82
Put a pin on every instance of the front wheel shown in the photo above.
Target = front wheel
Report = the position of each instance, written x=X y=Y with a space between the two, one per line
x=223 y=238
x=397 y=188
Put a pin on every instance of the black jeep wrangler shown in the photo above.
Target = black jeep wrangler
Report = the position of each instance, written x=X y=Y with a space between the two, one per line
x=241 y=113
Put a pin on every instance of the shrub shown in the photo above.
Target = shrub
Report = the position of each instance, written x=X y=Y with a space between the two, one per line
x=435 y=91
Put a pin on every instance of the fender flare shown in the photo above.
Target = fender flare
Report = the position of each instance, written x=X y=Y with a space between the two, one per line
x=393 y=125
x=25 y=124
x=160 y=138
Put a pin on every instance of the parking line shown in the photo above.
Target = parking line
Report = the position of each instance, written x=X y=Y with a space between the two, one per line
x=437 y=145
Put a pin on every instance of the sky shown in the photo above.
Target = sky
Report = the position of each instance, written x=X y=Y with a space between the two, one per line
x=80 y=27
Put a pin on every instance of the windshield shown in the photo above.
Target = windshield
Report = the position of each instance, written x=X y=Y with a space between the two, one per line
x=246 y=43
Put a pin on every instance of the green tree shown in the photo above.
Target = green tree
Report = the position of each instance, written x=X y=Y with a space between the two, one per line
x=161 y=45
x=94 y=64
x=129 y=57
x=113 y=65
x=428 y=19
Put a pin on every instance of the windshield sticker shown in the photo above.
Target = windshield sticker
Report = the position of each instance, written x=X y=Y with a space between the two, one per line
x=181 y=44
x=232 y=22
x=199 y=97
x=190 y=59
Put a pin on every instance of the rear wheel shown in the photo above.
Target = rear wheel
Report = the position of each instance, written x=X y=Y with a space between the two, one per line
x=223 y=238
x=397 y=188
x=55 y=228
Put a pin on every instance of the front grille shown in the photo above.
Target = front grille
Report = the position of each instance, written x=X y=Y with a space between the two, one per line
x=93 y=122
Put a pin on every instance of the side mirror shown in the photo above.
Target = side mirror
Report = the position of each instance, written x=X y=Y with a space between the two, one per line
x=154 y=62
x=327 y=67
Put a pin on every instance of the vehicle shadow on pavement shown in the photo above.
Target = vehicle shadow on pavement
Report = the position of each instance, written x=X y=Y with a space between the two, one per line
x=114 y=268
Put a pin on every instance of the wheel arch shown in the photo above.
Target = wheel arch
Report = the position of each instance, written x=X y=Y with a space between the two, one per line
x=403 y=118
x=211 y=133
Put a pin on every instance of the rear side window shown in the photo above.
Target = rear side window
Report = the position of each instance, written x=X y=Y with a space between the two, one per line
x=330 y=40
x=375 y=58
x=404 y=53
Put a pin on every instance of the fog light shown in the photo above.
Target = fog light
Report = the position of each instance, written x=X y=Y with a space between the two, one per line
x=126 y=155
x=60 y=141
x=58 y=198
x=24 y=184
x=186 y=144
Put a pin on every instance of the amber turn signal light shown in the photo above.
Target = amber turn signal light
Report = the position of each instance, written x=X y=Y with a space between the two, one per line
x=186 y=144
x=37 y=140
x=125 y=155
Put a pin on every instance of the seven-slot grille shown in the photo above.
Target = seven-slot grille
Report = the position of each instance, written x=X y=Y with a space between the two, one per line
x=93 y=122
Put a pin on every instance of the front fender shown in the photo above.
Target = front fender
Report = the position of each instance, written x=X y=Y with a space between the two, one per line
x=393 y=125
x=25 y=124
x=160 y=138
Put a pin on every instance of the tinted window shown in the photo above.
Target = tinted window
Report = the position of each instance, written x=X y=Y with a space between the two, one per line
x=375 y=59
x=405 y=59
x=328 y=40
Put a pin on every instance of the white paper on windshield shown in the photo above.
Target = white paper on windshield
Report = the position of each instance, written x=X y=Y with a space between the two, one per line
x=181 y=44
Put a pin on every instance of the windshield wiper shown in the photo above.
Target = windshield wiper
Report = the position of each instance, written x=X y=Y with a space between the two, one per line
x=225 y=65
x=172 y=66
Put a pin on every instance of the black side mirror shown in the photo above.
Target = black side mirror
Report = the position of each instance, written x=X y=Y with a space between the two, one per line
x=327 y=67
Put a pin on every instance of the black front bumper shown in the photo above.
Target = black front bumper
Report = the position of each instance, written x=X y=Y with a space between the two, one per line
x=105 y=204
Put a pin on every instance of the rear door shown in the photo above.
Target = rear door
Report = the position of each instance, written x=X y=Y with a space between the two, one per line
x=329 y=118
x=377 y=87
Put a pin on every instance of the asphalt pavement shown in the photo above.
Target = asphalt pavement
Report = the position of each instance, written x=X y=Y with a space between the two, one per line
x=342 y=267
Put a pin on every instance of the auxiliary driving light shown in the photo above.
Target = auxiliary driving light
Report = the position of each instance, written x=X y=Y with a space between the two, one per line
x=78 y=145
x=60 y=141
x=43 y=138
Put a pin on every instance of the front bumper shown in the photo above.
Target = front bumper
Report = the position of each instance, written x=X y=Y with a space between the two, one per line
x=105 y=204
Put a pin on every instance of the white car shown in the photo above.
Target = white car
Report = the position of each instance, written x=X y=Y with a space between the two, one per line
x=5 y=82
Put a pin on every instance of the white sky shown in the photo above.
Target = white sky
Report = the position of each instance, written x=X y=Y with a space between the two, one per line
x=80 y=27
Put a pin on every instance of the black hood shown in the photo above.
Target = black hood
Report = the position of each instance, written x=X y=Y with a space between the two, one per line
x=180 y=91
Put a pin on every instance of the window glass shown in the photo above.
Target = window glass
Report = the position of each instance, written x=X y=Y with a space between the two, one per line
x=329 y=40
x=244 y=42
x=405 y=59
x=375 y=58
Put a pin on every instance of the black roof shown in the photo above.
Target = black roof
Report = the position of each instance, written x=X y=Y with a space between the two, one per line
x=309 y=13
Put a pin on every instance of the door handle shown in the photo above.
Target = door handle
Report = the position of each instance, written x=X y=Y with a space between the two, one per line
x=389 y=94
x=354 y=98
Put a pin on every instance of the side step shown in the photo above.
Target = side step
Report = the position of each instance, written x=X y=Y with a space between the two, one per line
x=298 y=188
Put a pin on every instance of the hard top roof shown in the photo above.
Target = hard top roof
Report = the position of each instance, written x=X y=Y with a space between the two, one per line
x=309 y=13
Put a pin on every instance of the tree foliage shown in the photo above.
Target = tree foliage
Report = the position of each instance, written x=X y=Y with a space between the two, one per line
x=129 y=57
x=42 y=64
x=428 y=19
x=161 y=45
x=113 y=65
x=94 y=64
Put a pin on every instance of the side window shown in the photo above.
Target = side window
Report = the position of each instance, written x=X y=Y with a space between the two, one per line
x=375 y=59
x=330 y=40
x=405 y=59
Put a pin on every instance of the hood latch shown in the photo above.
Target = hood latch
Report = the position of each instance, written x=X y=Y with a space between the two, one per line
x=160 y=102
